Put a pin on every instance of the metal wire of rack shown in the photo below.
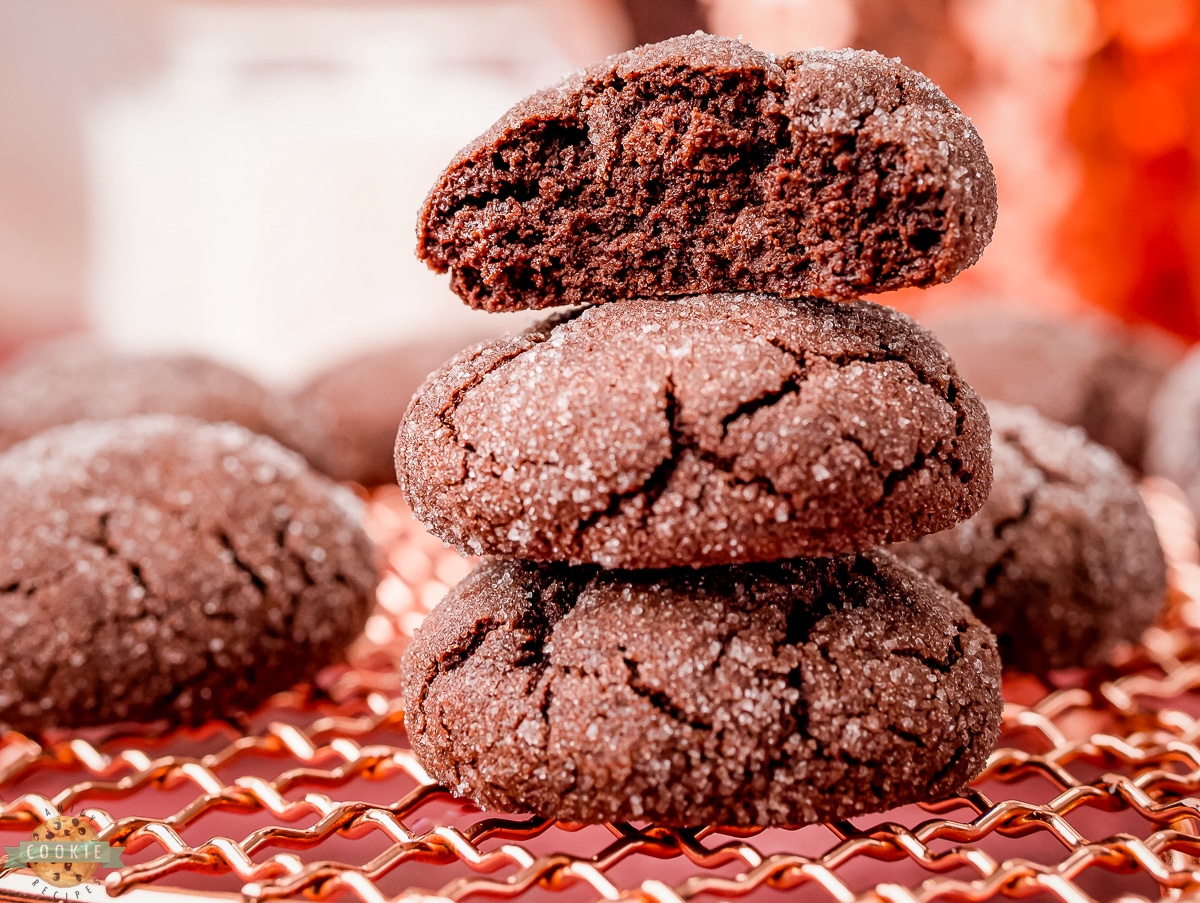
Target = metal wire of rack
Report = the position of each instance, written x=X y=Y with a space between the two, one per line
x=1091 y=795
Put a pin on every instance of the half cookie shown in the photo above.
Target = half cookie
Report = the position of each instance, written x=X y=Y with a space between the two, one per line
x=699 y=431
x=702 y=165
x=778 y=694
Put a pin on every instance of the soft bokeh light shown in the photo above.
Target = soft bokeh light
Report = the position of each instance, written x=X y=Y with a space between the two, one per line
x=242 y=179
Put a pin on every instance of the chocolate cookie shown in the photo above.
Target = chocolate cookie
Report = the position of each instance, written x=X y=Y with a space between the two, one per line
x=1173 y=444
x=1062 y=561
x=709 y=430
x=79 y=380
x=1086 y=371
x=159 y=567
x=702 y=165
x=351 y=412
x=778 y=694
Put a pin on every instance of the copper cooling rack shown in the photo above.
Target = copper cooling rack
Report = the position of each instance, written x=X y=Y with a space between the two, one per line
x=1091 y=795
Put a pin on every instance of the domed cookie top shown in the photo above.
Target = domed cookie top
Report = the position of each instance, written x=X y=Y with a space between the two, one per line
x=1062 y=561
x=701 y=165
x=777 y=694
x=709 y=430
x=75 y=380
x=159 y=567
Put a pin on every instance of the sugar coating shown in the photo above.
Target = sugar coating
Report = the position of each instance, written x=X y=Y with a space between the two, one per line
x=777 y=694
x=75 y=380
x=1062 y=561
x=159 y=567
x=696 y=431
x=702 y=165
x=1083 y=371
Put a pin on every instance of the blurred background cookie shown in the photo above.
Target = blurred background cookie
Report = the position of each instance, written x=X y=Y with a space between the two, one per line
x=350 y=413
x=1062 y=561
x=163 y=568
x=80 y=379
x=1173 y=446
x=1085 y=370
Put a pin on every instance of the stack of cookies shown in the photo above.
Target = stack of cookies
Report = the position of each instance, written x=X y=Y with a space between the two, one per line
x=685 y=617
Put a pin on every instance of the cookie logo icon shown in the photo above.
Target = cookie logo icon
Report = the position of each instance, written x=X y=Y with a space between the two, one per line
x=59 y=835
x=65 y=851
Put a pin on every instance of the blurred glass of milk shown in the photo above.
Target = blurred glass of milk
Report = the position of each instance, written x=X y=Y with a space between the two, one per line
x=258 y=202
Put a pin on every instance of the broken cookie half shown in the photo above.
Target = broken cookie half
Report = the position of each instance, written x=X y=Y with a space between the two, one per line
x=701 y=165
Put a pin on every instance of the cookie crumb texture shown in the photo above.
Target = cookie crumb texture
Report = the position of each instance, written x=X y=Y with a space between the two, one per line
x=1062 y=561
x=158 y=567
x=709 y=430
x=779 y=694
x=701 y=165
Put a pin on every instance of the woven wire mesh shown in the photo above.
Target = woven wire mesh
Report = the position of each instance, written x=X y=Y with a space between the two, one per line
x=1090 y=795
